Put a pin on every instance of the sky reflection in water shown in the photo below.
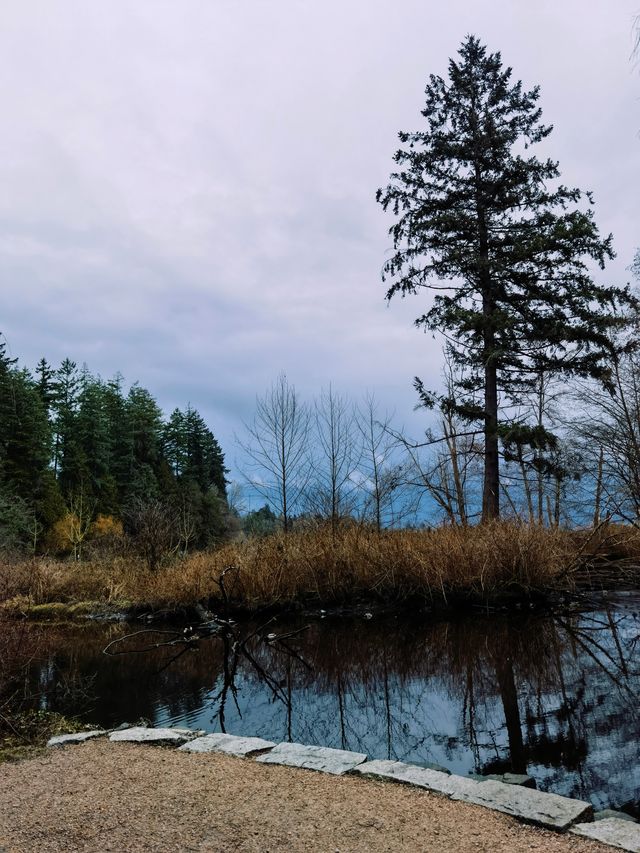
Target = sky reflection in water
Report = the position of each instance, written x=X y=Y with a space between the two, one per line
x=554 y=696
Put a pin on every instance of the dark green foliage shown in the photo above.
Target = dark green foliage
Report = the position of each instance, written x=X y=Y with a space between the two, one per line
x=46 y=384
x=120 y=437
x=17 y=523
x=29 y=496
x=48 y=500
x=506 y=247
x=260 y=522
x=192 y=451
x=67 y=435
x=26 y=436
x=145 y=423
x=91 y=435
x=68 y=461
x=197 y=465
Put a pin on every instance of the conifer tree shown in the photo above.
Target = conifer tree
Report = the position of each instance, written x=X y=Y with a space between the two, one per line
x=73 y=447
x=7 y=396
x=67 y=461
x=120 y=438
x=506 y=247
x=92 y=435
x=46 y=384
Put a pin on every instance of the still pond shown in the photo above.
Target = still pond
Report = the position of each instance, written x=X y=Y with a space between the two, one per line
x=553 y=695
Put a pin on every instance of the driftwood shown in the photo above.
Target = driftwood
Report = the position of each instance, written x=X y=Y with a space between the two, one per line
x=235 y=639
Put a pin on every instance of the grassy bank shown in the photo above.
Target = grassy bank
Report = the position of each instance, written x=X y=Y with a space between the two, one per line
x=25 y=734
x=319 y=567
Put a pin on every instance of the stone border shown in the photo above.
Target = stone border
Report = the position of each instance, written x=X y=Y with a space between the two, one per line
x=526 y=804
x=615 y=831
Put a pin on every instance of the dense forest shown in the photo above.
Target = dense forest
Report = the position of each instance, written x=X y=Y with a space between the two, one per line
x=83 y=459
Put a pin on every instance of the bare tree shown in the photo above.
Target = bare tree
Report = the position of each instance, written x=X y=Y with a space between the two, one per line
x=446 y=474
x=277 y=449
x=186 y=522
x=78 y=521
x=608 y=427
x=443 y=465
x=383 y=488
x=333 y=490
x=153 y=525
x=235 y=498
x=536 y=460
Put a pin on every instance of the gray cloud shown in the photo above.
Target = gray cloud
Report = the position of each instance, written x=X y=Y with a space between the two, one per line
x=188 y=188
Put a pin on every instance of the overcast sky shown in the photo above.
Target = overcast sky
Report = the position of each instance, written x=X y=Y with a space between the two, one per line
x=187 y=188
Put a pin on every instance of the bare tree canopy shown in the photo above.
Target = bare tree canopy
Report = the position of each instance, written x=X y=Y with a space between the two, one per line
x=277 y=447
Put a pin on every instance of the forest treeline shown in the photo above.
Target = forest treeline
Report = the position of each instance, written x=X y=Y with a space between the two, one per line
x=89 y=466
x=83 y=459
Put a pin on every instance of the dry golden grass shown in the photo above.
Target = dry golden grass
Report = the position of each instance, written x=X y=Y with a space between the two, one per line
x=316 y=566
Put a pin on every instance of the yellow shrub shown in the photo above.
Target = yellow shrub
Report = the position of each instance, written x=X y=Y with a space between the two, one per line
x=62 y=535
x=105 y=525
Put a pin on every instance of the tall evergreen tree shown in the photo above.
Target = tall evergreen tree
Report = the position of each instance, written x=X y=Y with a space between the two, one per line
x=94 y=440
x=68 y=464
x=145 y=424
x=505 y=247
x=28 y=491
x=196 y=462
x=120 y=432
x=205 y=460
x=174 y=442
x=192 y=451
x=7 y=397
x=46 y=384
x=28 y=438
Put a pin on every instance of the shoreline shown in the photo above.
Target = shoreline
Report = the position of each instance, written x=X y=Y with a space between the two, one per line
x=540 y=601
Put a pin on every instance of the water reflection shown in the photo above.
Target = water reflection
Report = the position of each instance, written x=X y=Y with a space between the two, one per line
x=555 y=697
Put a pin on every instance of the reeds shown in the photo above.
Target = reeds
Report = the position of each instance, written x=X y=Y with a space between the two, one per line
x=321 y=566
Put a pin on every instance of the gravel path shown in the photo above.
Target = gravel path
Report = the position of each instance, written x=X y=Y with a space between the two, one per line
x=126 y=798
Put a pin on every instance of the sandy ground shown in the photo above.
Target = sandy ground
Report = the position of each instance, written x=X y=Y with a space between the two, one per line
x=119 y=797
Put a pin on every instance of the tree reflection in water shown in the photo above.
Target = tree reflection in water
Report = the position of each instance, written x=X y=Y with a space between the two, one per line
x=551 y=695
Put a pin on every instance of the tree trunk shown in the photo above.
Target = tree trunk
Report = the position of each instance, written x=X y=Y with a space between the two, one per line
x=538 y=451
x=451 y=440
x=525 y=485
x=598 y=496
x=509 y=696
x=491 y=486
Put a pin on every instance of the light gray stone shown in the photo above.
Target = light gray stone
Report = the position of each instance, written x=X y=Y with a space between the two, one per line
x=428 y=765
x=530 y=806
x=142 y=734
x=336 y=761
x=605 y=813
x=613 y=831
x=511 y=779
x=507 y=778
x=121 y=727
x=230 y=744
x=410 y=774
x=188 y=732
x=526 y=804
x=75 y=737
